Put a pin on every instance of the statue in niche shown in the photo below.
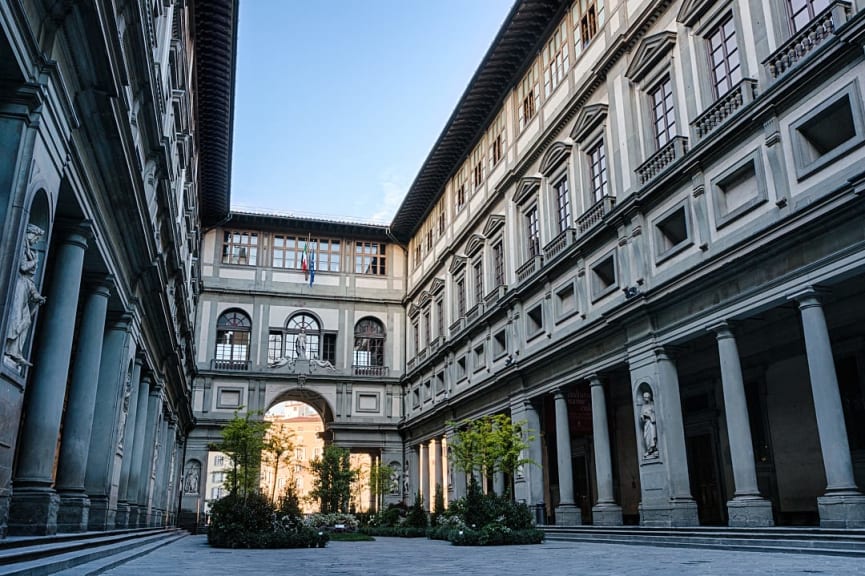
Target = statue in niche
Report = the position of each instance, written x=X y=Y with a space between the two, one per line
x=649 y=424
x=192 y=478
x=405 y=480
x=300 y=344
x=124 y=412
x=394 y=478
x=26 y=300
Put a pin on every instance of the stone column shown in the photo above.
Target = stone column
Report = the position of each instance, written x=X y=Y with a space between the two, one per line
x=157 y=489
x=529 y=480
x=456 y=478
x=123 y=507
x=438 y=471
x=606 y=512
x=164 y=476
x=842 y=506
x=747 y=508
x=424 y=475
x=103 y=462
x=34 y=502
x=137 y=455
x=72 y=464
x=154 y=406
x=671 y=432
x=567 y=513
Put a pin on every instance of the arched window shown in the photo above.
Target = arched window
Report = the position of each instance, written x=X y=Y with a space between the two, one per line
x=369 y=339
x=233 y=330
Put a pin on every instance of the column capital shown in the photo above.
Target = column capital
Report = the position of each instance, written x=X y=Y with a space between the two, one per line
x=559 y=393
x=809 y=296
x=595 y=380
x=77 y=232
x=100 y=283
x=722 y=329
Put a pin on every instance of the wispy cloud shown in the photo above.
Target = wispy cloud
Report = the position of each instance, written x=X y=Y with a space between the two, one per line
x=394 y=186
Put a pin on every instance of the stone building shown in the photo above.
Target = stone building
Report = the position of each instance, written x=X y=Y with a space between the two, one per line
x=641 y=232
x=331 y=336
x=115 y=125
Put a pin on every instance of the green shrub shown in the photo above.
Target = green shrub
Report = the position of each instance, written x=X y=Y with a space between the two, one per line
x=253 y=522
x=495 y=535
x=417 y=516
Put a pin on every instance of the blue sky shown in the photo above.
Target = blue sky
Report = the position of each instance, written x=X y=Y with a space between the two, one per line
x=337 y=104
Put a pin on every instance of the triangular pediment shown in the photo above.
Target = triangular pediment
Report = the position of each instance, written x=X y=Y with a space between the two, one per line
x=525 y=188
x=475 y=243
x=589 y=118
x=494 y=222
x=557 y=153
x=457 y=264
x=437 y=285
x=413 y=310
x=425 y=297
x=691 y=11
x=652 y=49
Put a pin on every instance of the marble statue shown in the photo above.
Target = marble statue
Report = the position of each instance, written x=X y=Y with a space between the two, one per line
x=649 y=424
x=26 y=300
x=323 y=364
x=124 y=413
x=300 y=344
x=191 y=480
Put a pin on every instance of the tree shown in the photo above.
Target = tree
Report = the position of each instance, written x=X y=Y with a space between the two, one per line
x=242 y=442
x=490 y=444
x=277 y=448
x=380 y=478
x=332 y=481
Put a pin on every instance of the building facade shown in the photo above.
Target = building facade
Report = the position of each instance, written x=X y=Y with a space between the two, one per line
x=110 y=116
x=641 y=233
x=304 y=310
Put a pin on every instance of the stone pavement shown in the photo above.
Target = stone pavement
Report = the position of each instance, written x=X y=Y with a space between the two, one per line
x=191 y=556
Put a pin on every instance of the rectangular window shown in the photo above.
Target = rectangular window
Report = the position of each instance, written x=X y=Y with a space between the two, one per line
x=417 y=253
x=499 y=263
x=440 y=318
x=427 y=329
x=528 y=98
x=326 y=255
x=219 y=460
x=274 y=347
x=563 y=203
x=598 y=171
x=663 y=115
x=803 y=11
x=724 y=57
x=588 y=18
x=478 y=269
x=556 y=63
x=460 y=189
x=370 y=258
x=415 y=333
x=497 y=140
x=299 y=454
x=442 y=217
x=478 y=165
x=461 y=297
x=429 y=238
x=328 y=348
x=533 y=235
x=239 y=247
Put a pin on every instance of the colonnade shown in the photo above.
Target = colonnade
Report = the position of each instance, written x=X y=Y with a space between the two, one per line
x=665 y=491
x=103 y=453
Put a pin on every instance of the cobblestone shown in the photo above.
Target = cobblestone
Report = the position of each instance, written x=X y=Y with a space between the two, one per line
x=191 y=556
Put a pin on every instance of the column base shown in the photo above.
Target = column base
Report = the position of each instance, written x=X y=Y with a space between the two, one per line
x=670 y=514
x=33 y=512
x=607 y=515
x=101 y=515
x=121 y=520
x=134 y=516
x=844 y=510
x=750 y=512
x=568 y=515
x=74 y=513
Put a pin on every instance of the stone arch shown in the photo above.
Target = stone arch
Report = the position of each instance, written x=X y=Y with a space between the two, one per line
x=309 y=397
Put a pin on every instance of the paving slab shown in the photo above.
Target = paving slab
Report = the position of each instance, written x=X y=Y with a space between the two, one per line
x=191 y=556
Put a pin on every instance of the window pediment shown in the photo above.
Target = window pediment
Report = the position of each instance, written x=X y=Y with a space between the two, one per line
x=424 y=298
x=475 y=243
x=691 y=11
x=526 y=187
x=589 y=118
x=413 y=310
x=494 y=222
x=555 y=155
x=437 y=286
x=457 y=264
x=650 y=51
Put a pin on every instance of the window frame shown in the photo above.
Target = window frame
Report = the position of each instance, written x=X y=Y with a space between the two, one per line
x=555 y=58
x=528 y=98
x=374 y=340
x=564 y=217
x=661 y=136
x=598 y=183
x=732 y=75
x=370 y=258
x=238 y=324
x=242 y=240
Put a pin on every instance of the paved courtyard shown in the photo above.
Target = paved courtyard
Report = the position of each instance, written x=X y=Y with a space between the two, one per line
x=409 y=557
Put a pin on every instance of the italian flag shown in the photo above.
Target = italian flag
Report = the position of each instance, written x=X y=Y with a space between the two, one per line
x=304 y=262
